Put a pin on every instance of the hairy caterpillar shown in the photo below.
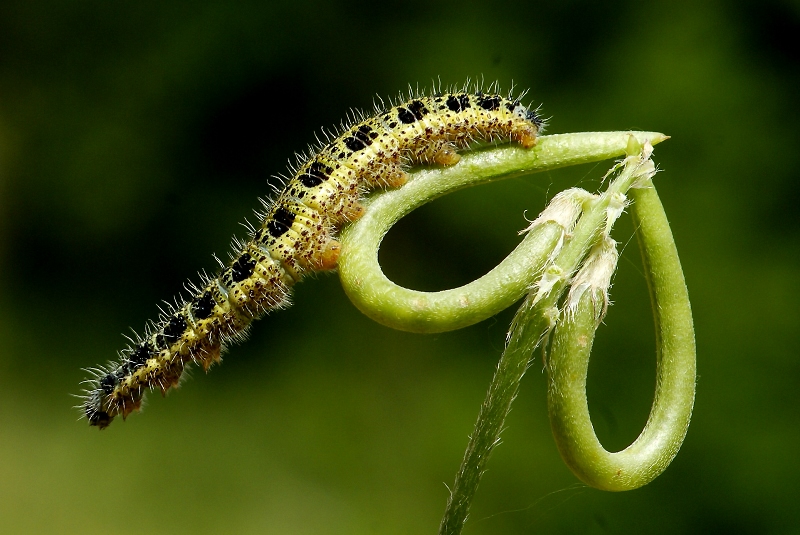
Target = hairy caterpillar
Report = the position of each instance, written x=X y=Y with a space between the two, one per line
x=296 y=234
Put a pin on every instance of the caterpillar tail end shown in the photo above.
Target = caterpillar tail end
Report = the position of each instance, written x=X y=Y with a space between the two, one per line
x=100 y=419
x=94 y=413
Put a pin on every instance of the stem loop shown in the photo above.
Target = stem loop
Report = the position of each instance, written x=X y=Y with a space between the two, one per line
x=659 y=442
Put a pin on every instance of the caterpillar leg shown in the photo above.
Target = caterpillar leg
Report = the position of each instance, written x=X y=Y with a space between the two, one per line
x=209 y=355
x=329 y=258
x=446 y=155
x=525 y=135
x=353 y=210
x=393 y=176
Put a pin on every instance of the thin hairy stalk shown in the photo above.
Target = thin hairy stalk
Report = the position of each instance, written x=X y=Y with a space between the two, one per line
x=659 y=442
x=429 y=312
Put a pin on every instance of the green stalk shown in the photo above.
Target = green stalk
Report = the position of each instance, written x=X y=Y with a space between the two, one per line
x=544 y=264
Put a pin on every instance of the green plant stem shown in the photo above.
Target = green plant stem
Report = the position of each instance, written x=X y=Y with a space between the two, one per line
x=659 y=442
x=429 y=312
x=541 y=254
x=532 y=322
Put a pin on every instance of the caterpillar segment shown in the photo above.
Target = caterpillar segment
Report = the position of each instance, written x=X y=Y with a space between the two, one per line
x=297 y=232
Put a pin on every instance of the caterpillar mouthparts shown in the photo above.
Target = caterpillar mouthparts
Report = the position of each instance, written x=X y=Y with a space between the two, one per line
x=296 y=235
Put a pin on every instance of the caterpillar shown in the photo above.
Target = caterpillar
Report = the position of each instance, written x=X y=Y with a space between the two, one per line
x=297 y=233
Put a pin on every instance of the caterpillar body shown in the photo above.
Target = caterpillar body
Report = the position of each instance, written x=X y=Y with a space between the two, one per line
x=296 y=235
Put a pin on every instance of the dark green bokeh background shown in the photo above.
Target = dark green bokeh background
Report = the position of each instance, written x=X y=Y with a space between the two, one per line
x=135 y=136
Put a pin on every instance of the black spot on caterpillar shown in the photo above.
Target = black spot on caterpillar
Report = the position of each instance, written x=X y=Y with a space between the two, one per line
x=297 y=231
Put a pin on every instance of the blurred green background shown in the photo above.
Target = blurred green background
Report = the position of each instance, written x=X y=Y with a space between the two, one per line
x=134 y=137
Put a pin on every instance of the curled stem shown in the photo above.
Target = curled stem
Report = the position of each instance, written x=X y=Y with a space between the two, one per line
x=430 y=312
x=659 y=442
